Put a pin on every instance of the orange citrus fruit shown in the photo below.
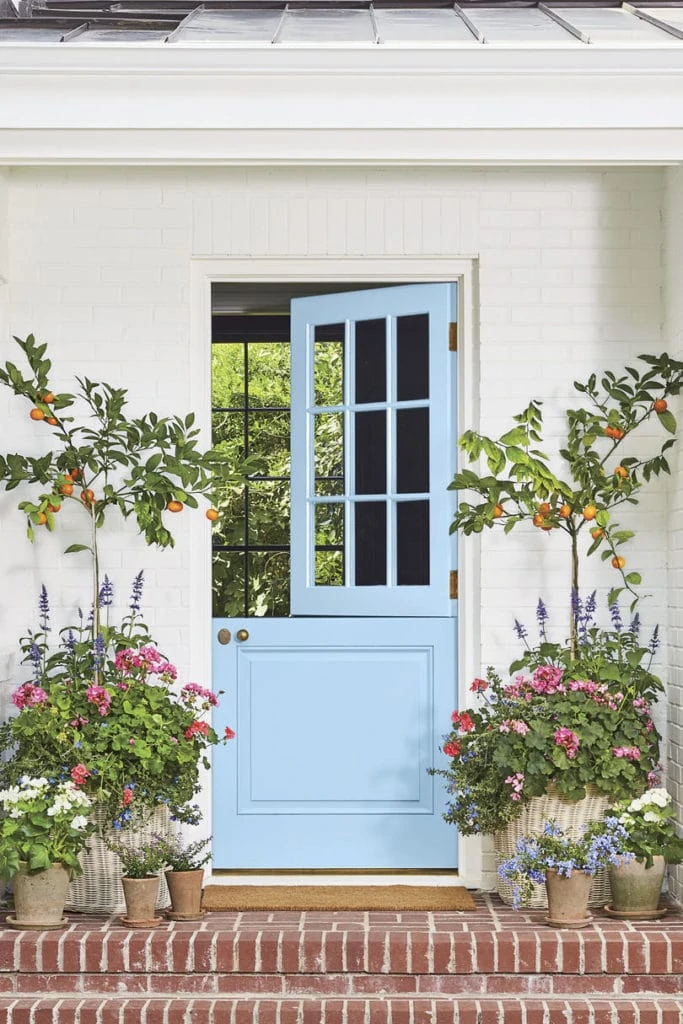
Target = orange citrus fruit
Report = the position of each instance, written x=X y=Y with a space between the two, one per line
x=538 y=519
x=37 y=414
x=42 y=519
x=48 y=398
x=590 y=512
x=621 y=471
x=52 y=420
x=618 y=562
x=544 y=508
x=565 y=511
x=175 y=506
x=87 y=496
x=597 y=533
x=660 y=405
x=54 y=508
x=66 y=489
x=212 y=514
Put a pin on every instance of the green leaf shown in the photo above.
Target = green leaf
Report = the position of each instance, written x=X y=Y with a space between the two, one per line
x=517 y=455
x=668 y=421
x=75 y=547
x=516 y=436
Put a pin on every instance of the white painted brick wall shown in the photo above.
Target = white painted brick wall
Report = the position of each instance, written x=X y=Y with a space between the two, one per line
x=570 y=280
x=673 y=263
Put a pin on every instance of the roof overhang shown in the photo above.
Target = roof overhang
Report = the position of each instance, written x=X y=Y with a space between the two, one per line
x=340 y=105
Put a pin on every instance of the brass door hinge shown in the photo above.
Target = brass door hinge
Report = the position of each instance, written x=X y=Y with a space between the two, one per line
x=453 y=337
x=453 y=584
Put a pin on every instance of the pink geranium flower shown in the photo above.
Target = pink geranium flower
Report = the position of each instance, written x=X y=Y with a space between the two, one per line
x=568 y=740
x=28 y=695
x=630 y=753
x=100 y=697
x=79 y=774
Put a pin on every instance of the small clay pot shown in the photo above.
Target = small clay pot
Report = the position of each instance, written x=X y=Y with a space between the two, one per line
x=141 y=897
x=185 y=888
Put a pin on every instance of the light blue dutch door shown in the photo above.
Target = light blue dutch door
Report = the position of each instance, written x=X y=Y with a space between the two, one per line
x=340 y=708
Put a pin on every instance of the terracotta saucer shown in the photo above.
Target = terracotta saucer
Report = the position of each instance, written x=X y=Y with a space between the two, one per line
x=154 y=922
x=568 y=924
x=635 y=915
x=12 y=922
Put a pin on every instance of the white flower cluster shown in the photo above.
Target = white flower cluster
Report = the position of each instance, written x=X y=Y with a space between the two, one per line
x=650 y=805
x=66 y=798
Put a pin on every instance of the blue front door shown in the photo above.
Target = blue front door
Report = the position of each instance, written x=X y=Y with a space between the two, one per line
x=339 y=707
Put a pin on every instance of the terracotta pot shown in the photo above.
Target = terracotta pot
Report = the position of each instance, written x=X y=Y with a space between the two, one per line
x=635 y=888
x=568 y=899
x=39 y=898
x=185 y=888
x=141 y=897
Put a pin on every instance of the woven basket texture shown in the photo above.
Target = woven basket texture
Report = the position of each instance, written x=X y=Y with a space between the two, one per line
x=98 y=890
x=571 y=816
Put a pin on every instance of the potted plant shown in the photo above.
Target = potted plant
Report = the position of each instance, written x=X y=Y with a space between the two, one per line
x=565 y=865
x=99 y=460
x=651 y=844
x=185 y=876
x=140 y=880
x=564 y=738
x=111 y=715
x=43 y=828
x=578 y=490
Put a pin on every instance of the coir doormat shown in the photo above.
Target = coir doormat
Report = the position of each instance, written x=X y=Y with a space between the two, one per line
x=337 y=897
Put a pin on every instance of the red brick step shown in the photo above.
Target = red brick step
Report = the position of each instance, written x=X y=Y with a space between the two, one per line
x=492 y=965
x=256 y=1009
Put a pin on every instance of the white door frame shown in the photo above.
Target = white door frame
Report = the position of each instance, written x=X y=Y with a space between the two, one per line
x=204 y=271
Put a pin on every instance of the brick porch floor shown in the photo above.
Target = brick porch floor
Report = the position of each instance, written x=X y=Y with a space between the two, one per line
x=491 y=965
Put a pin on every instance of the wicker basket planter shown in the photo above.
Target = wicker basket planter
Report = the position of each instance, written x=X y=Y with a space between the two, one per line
x=99 y=890
x=571 y=816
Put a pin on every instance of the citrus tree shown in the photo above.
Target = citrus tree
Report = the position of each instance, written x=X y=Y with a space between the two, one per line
x=600 y=474
x=102 y=461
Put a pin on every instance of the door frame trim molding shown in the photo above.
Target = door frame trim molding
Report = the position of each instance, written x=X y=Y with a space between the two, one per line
x=463 y=270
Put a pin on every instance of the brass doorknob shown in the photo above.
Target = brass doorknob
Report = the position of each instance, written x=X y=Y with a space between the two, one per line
x=242 y=634
x=224 y=636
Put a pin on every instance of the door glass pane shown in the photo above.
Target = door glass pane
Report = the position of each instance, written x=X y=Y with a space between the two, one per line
x=329 y=568
x=371 y=361
x=412 y=357
x=371 y=452
x=371 y=543
x=329 y=544
x=412 y=451
x=412 y=543
x=328 y=365
x=328 y=442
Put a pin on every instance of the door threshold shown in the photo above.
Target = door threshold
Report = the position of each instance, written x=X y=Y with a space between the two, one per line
x=436 y=878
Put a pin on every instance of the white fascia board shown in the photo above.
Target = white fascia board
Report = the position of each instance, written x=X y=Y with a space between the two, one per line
x=207 y=104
